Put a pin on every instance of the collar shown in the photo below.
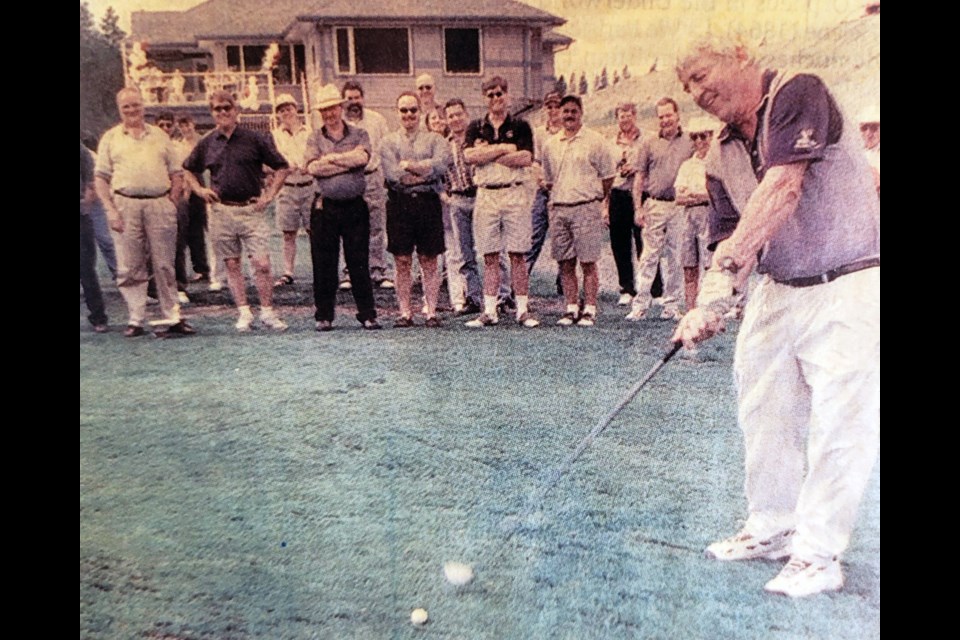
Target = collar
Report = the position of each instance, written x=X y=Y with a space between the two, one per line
x=731 y=131
x=146 y=130
x=679 y=134
x=222 y=136
x=507 y=120
x=565 y=138
x=622 y=138
x=346 y=131
x=293 y=133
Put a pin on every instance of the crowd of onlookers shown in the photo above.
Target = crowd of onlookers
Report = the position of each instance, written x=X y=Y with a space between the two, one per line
x=473 y=196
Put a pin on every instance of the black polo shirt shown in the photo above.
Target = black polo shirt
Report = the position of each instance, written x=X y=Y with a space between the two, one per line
x=235 y=163
x=512 y=131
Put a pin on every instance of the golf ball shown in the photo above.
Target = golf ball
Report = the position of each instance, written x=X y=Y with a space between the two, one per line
x=457 y=573
x=418 y=616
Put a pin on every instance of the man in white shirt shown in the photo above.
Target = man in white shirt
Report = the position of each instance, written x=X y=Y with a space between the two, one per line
x=298 y=191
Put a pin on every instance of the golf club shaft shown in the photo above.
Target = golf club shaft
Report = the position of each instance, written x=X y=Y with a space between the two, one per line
x=596 y=431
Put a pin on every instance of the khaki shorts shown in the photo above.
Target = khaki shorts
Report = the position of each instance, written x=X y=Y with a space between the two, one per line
x=577 y=232
x=293 y=207
x=502 y=220
x=239 y=230
x=695 y=235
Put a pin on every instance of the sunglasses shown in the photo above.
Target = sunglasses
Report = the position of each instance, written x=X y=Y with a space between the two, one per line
x=408 y=109
x=165 y=125
x=870 y=126
x=425 y=87
x=221 y=108
x=700 y=136
x=494 y=94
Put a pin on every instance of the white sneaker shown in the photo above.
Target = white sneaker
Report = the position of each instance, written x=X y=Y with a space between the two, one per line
x=746 y=546
x=587 y=319
x=625 y=299
x=671 y=314
x=636 y=313
x=483 y=320
x=272 y=321
x=801 y=578
x=182 y=297
x=244 y=322
x=387 y=283
x=345 y=284
x=528 y=320
x=215 y=286
x=568 y=319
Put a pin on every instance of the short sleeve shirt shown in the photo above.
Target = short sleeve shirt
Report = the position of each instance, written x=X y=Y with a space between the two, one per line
x=137 y=166
x=576 y=166
x=660 y=160
x=235 y=162
x=512 y=131
x=347 y=185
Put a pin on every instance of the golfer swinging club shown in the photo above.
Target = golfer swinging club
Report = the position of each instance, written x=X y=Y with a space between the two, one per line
x=793 y=196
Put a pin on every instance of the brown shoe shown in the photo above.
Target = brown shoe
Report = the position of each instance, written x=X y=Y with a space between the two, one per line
x=433 y=322
x=179 y=329
x=403 y=322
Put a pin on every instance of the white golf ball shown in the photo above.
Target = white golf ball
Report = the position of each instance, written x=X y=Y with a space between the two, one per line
x=419 y=616
x=457 y=573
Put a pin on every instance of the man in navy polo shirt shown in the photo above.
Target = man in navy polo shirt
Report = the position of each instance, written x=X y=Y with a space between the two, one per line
x=501 y=149
x=235 y=157
x=793 y=196
x=336 y=154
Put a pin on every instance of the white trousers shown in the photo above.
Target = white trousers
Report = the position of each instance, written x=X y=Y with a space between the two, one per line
x=662 y=236
x=807 y=369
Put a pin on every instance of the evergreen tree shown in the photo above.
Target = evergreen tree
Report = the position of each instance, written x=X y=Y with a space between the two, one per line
x=616 y=77
x=626 y=72
x=561 y=86
x=603 y=79
x=101 y=76
x=110 y=28
x=584 y=86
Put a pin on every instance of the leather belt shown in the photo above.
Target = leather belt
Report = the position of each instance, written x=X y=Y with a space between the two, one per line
x=505 y=185
x=469 y=193
x=831 y=275
x=141 y=197
x=238 y=203
x=298 y=184
x=576 y=204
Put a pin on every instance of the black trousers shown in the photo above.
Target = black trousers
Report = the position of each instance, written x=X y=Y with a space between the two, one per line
x=191 y=228
x=624 y=234
x=92 y=294
x=349 y=220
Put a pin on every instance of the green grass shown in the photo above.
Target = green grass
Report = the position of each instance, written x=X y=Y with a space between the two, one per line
x=306 y=485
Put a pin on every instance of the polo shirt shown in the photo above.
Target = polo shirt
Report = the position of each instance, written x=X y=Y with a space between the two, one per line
x=342 y=186
x=422 y=145
x=512 y=131
x=660 y=160
x=627 y=152
x=376 y=127
x=576 y=166
x=235 y=162
x=292 y=146
x=137 y=166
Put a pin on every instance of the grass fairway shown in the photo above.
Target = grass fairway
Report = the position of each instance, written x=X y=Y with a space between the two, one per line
x=306 y=485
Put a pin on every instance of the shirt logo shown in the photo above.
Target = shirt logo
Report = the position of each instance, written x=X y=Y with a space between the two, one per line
x=509 y=133
x=805 y=142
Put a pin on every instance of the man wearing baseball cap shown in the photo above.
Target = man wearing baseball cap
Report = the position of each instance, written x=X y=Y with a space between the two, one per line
x=296 y=195
x=539 y=216
x=691 y=193
x=336 y=154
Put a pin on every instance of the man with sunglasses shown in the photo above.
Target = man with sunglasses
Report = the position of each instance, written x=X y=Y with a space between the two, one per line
x=662 y=219
x=414 y=163
x=501 y=149
x=235 y=156
x=138 y=180
x=691 y=188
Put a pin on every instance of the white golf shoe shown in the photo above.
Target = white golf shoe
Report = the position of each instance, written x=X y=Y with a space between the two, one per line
x=244 y=322
x=746 y=546
x=272 y=321
x=801 y=578
x=625 y=299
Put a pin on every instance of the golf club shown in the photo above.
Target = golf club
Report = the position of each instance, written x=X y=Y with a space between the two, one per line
x=604 y=422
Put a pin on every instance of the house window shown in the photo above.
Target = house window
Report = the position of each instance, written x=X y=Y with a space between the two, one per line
x=372 y=51
x=289 y=68
x=461 y=51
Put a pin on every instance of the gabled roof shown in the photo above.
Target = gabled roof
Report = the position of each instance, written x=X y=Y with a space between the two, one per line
x=224 y=19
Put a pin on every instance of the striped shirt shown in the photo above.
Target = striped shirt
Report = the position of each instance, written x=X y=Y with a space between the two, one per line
x=459 y=178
